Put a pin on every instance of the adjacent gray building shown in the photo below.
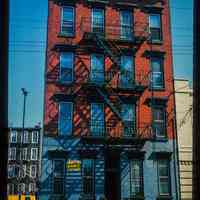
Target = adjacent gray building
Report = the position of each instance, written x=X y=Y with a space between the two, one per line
x=24 y=160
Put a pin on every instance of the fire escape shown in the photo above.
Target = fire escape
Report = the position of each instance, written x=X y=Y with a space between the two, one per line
x=111 y=42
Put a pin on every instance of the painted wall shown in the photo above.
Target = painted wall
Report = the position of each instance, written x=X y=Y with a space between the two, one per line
x=184 y=96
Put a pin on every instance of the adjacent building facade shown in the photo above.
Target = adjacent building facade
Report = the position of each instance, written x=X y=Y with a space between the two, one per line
x=184 y=98
x=109 y=120
x=24 y=160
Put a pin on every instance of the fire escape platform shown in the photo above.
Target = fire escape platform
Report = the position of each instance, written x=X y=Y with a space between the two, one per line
x=131 y=140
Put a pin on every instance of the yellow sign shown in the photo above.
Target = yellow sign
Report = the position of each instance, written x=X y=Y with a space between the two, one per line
x=73 y=165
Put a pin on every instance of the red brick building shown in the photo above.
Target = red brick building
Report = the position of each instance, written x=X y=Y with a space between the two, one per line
x=109 y=100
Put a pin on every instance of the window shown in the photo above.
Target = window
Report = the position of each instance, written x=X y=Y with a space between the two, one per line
x=67 y=21
x=98 y=20
x=155 y=27
x=65 y=118
x=88 y=176
x=34 y=153
x=136 y=177
x=97 y=126
x=22 y=171
x=128 y=116
x=11 y=171
x=66 y=67
x=32 y=187
x=58 y=176
x=35 y=137
x=21 y=188
x=157 y=74
x=24 y=154
x=13 y=136
x=97 y=68
x=33 y=171
x=12 y=153
x=164 y=177
x=126 y=23
x=159 y=128
x=127 y=71
x=11 y=188
x=26 y=137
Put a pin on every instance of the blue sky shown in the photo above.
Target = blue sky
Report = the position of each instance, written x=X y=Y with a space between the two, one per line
x=27 y=53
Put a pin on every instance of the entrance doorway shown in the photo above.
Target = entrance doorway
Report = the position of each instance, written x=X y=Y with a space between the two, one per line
x=112 y=175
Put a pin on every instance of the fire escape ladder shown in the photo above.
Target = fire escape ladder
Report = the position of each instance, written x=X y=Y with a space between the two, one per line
x=110 y=51
x=113 y=107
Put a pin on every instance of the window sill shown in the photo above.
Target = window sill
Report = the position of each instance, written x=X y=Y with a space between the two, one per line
x=157 y=89
x=155 y=42
x=164 y=197
x=157 y=139
x=62 y=35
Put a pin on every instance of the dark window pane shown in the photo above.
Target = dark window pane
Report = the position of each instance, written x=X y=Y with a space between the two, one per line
x=97 y=68
x=159 y=122
x=88 y=176
x=126 y=25
x=127 y=71
x=157 y=77
x=97 y=125
x=66 y=67
x=98 y=20
x=164 y=177
x=58 y=186
x=155 y=27
x=65 y=118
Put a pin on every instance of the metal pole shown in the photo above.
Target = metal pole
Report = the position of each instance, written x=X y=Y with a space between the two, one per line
x=25 y=93
x=4 y=29
x=196 y=102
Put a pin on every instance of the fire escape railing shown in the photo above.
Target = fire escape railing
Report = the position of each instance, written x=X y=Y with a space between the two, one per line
x=128 y=129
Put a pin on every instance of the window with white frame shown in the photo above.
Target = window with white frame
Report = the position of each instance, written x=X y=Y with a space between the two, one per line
x=34 y=153
x=22 y=171
x=11 y=188
x=13 y=137
x=11 y=171
x=159 y=122
x=157 y=73
x=136 y=177
x=32 y=187
x=24 y=154
x=25 y=137
x=35 y=137
x=68 y=21
x=128 y=114
x=12 y=153
x=21 y=187
x=164 y=183
x=33 y=171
